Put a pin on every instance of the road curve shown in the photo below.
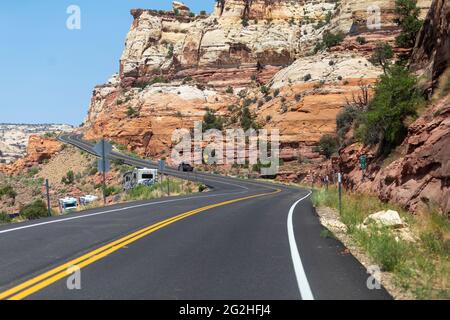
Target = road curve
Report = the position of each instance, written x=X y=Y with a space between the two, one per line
x=243 y=240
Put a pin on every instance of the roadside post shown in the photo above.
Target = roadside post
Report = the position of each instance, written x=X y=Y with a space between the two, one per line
x=340 y=192
x=363 y=164
x=162 y=168
x=103 y=150
x=327 y=180
x=168 y=185
x=47 y=190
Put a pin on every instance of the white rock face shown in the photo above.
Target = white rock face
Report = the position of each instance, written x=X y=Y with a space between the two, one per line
x=389 y=218
x=275 y=34
x=184 y=92
x=327 y=67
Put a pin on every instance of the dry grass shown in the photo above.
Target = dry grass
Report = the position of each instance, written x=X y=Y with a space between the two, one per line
x=421 y=268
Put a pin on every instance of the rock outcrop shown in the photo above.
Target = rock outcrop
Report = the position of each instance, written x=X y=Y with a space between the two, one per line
x=242 y=45
x=420 y=176
x=39 y=149
x=431 y=56
x=229 y=47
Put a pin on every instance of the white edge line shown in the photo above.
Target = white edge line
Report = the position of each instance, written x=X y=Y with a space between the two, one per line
x=112 y=210
x=302 y=280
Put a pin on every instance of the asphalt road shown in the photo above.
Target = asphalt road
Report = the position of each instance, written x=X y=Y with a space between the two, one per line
x=242 y=240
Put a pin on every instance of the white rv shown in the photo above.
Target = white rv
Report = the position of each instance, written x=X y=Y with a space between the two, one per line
x=137 y=177
x=88 y=199
x=68 y=204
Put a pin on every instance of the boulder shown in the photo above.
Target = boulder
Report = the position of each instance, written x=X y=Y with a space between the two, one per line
x=388 y=218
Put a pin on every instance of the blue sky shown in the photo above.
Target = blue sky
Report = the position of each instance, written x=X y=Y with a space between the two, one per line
x=47 y=71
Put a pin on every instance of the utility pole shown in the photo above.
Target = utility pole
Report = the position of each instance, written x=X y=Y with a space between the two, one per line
x=340 y=192
x=47 y=190
x=104 y=171
x=168 y=185
x=103 y=149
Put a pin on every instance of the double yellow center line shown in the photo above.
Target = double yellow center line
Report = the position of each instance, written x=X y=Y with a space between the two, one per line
x=37 y=283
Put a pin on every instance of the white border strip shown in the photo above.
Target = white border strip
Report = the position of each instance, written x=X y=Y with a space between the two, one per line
x=302 y=280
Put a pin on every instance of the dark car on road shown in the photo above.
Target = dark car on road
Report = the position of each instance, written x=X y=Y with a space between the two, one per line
x=185 y=167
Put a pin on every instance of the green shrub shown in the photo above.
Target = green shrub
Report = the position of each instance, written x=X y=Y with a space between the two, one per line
x=69 y=178
x=248 y=120
x=93 y=171
x=361 y=40
x=211 y=121
x=396 y=99
x=328 y=145
x=187 y=79
x=247 y=103
x=382 y=55
x=202 y=187
x=112 y=190
x=170 y=51
x=407 y=19
x=446 y=89
x=264 y=90
x=33 y=171
x=244 y=22
x=8 y=191
x=345 y=120
x=382 y=247
x=276 y=92
x=329 y=40
x=229 y=90
x=131 y=112
x=35 y=210
x=5 y=218
x=201 y=87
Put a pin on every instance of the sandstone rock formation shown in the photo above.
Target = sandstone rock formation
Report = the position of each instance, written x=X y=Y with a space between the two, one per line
x=39 y=149
x=431 y=57
x=243 y=45
x=224 y=47
x=420 y=176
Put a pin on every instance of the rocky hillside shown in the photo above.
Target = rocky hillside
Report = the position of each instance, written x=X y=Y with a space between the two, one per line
x=39 y=149
x=281 y=60
x=176 y=64
x=431 y=57
x=14 y=138
x=417 y=175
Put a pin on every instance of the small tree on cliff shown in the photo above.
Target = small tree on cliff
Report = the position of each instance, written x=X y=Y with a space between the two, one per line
x=408 y=20
x=382 y=55
x=328 y=145
x=211 y=121
x=395 y=101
